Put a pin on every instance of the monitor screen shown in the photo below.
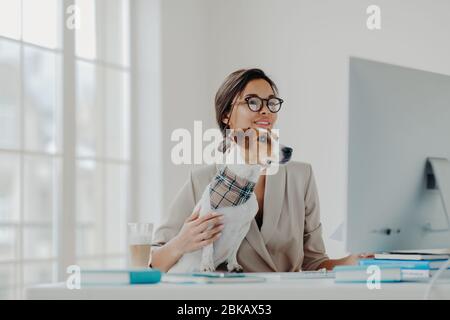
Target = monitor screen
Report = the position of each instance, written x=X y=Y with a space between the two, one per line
x=398 y=118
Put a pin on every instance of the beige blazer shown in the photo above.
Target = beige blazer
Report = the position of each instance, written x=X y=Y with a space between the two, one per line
x=290 y=238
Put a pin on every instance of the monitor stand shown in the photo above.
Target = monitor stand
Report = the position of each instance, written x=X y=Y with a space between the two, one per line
x=438 y=177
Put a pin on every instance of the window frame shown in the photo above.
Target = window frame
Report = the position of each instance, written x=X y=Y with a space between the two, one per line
x=64 y=221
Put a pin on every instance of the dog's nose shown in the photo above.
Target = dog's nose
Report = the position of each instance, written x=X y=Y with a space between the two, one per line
x=287 y=151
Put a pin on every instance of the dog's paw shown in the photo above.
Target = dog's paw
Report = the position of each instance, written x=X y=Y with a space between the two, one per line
x=234 y=267
x=207 y=268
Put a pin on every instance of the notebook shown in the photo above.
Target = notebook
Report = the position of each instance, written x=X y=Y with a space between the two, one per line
x=119 y=276
x=210 y=278
x=410 y=256
x=406 y=264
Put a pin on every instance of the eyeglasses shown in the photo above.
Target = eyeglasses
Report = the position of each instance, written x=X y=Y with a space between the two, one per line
x=255 y=103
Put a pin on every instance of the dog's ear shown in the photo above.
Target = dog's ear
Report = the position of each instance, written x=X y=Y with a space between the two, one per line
x=238 y=136
x=223 y=147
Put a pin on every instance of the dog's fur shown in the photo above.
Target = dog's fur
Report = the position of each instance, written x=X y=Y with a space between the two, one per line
x=237 y=219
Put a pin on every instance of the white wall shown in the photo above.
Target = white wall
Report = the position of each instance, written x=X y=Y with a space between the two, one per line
x=147 y=122
x=185 y=92
x=304 y=46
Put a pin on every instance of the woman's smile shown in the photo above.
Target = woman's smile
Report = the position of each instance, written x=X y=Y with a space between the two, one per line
x=263 y=123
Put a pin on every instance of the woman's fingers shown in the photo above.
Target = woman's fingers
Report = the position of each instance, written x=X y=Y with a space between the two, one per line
x=203 y=230
x=207 y=234
x=366 y=255
x=206 y=217
x=208 y=224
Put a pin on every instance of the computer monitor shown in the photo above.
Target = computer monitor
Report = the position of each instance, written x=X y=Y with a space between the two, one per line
x=398 y=195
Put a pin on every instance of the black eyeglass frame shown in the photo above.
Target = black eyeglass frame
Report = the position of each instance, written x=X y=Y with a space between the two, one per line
x=246 y=99
x=262 y=105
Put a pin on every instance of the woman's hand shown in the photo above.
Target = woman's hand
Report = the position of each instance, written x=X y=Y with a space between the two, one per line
x=198 y=232
x=353 y=259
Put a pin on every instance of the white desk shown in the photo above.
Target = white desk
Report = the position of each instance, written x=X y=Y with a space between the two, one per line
x=272 y=289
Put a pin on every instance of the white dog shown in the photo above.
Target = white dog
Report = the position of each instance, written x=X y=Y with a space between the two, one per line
x=231 y=193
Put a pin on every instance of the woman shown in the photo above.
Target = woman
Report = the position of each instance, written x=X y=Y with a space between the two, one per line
x=286 y=234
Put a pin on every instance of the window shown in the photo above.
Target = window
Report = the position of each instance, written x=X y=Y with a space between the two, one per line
x=32 y=154
x=102 y=122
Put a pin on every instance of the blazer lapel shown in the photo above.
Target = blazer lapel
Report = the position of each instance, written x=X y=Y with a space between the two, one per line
x=256 y=241
x=273 y=200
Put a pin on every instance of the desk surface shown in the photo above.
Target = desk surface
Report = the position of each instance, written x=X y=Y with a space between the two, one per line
x=271 y=289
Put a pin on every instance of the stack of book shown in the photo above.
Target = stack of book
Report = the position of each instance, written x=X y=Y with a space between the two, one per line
x=362 y=274
x=394 y=267
x=412 y=265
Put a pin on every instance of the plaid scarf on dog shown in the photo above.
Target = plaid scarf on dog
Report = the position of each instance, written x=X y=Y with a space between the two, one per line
x=228 y=190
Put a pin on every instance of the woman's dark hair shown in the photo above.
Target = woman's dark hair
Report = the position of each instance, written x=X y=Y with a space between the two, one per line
x=232 y=87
